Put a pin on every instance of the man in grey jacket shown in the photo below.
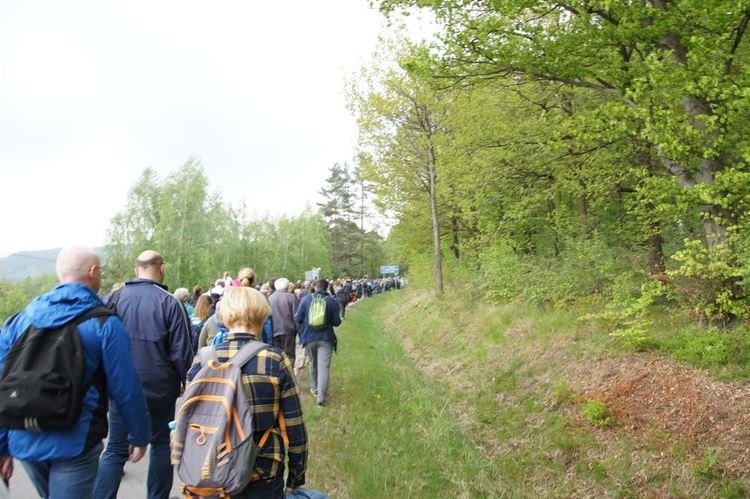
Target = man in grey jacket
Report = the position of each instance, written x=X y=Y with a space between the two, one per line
x=283 y=307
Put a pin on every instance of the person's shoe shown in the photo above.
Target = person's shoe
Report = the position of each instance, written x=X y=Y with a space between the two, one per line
x=321 y=404
x=314 y=392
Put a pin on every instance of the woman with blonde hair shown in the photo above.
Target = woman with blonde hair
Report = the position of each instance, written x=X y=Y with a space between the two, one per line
x=246 y=277
x=272 y=393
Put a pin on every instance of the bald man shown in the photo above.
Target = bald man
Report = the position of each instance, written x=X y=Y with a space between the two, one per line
x=160 y=344
x=63 y=463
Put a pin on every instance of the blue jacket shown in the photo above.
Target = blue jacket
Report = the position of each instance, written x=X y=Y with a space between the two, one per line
x=107 y=345
x=307 y=335
x=160 y=343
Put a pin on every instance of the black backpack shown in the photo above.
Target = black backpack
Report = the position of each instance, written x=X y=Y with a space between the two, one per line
x=42 y=381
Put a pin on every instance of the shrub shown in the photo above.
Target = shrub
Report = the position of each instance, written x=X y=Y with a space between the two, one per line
x=708 y=281
x=561 y=394
x=707 y=347
x=504 y=273
x=597 y=413
x=629 y=314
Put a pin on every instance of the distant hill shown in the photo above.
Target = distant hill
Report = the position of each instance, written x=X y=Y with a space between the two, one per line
x=18 y=266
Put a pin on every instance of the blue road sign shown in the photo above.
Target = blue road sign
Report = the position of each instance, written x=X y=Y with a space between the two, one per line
x=389 y=269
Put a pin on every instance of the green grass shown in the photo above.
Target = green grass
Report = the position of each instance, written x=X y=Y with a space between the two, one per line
x=387 y=432
x=470 y=401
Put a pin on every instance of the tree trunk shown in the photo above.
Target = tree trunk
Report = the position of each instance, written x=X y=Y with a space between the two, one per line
x=583 y=215
x=455 y=244
x=715 y=219
x=656 y=255
x=362 y=227
x=437 y=257
x=551 y=206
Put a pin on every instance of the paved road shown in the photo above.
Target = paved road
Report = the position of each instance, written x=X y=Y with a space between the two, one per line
x=133 y=483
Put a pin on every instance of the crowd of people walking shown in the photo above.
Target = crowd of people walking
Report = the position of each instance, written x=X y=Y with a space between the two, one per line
x=140 y=346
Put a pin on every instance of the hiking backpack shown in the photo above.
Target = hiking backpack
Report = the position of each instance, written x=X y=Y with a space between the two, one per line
x=42 y=382
x=213 y=446
x=316 y=314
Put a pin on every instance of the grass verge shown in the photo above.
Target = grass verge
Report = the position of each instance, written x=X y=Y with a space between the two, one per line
x=441 y=399
x=387 y=431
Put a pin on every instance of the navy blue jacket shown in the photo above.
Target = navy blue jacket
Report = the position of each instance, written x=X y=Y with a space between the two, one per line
x=107 y=346
x=159 y=331
x=307 y=335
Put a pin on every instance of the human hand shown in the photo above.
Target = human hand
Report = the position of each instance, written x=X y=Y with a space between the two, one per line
x=136 y=453
x=6 y=467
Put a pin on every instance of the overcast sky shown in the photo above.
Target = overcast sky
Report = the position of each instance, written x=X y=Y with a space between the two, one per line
x=94 y=92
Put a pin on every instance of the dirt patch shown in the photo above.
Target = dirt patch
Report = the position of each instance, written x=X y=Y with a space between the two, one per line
x=660 y=400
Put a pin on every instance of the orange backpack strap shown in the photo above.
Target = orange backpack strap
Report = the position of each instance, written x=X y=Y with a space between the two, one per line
x=282 y=426
x=264 y=438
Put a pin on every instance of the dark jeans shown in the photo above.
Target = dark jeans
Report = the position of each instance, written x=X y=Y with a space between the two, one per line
x=65 y=478
x=160 y=473
x=268 y=489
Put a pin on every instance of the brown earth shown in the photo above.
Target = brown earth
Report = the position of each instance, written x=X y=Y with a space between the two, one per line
x=659 y=400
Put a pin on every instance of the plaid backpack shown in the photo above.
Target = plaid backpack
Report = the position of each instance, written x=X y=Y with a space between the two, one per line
x=213 y=449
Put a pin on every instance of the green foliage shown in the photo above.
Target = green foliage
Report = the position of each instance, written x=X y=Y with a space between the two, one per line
x=404 y=124
x=200 y=236
x=579 y=147
x=629 y=314
x=709 y=281
x=35 y=286
x=583 y=271
x=14 y=297
x=178 y=217
x=355 y=250
x=709 y=347
x=504 y=273
x=709 y=467
x=737 y=489
x=12 y=300
x=597 y=413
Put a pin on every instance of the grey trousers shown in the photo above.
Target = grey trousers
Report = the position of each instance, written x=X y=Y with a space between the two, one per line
x=319 y=355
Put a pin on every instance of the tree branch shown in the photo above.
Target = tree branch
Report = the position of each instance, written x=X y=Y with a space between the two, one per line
x=739 y=32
